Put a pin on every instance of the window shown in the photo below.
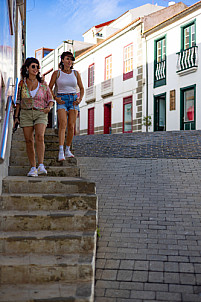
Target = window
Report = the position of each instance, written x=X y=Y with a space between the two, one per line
x=188 y=36
x=127 y=114
x=108 y=68
x=91 y=75
x=128 y=62
x=160 y=62
x=187 y=61
x=160 y=49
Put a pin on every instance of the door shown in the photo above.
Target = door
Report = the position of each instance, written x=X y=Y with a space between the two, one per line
x=90 y=121
x=127 y=114
x=107 y=118
x=160 y=113
x=188 y=108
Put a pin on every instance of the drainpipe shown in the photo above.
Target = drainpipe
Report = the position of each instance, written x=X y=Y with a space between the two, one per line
x=147 y=77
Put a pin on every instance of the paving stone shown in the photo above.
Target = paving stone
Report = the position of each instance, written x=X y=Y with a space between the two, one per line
x=149 y=191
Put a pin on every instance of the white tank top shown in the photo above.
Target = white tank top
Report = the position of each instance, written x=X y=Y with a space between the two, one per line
x=67 y=83
x=33 y=92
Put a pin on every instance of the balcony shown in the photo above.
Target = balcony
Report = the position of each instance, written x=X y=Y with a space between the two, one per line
x=187 y=60
x=107 y=88
x=90 y=94
x=160 y=73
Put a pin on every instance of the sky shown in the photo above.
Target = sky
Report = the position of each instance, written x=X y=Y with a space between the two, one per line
x=50 y=22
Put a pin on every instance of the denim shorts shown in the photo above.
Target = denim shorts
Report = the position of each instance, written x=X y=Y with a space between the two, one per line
x=69 y=99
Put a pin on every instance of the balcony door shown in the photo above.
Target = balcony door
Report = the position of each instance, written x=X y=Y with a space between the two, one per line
x=188 y=107
x=160 y=62
x=160 y=112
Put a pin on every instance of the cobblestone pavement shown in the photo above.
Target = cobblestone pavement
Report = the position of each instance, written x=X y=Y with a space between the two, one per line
x=150 y=227
x=176 y=144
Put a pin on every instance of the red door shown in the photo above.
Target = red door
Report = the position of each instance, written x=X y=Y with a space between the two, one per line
x=107 y=118
x=90 y=121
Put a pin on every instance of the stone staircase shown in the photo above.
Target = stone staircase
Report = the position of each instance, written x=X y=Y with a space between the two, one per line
x=47 y=229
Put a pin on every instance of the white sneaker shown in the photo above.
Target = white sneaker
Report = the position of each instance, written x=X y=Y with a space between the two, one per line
x=61 y=156
x=68 y=153
x=32 y=172
x=41 y=170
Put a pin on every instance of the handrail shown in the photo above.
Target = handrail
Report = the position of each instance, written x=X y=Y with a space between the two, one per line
x=4 y=136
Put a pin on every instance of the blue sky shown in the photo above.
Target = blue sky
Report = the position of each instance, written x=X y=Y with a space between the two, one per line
x=50 y=22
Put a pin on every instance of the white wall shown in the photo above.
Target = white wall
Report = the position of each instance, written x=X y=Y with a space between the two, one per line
x=173 y=80
x=121 y=88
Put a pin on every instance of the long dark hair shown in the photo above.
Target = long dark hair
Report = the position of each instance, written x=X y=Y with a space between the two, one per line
x=63 y=55
x=26 y=65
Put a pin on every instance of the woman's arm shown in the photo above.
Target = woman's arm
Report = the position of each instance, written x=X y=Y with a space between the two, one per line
x=81 y=87
x=53 y=81
x=17 y=111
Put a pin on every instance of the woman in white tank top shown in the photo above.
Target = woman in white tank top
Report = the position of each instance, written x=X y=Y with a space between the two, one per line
x=67 y=81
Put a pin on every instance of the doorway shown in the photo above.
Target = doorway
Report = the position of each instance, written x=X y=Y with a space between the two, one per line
x=160 y=112
x=107 y=118
x=90 y=121
x=188 y=112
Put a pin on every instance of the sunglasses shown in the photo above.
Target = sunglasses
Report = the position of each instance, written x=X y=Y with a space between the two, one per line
x=35 y=66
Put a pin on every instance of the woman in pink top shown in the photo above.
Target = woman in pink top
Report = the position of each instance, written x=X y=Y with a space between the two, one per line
x=34 y=103
x=67 y=100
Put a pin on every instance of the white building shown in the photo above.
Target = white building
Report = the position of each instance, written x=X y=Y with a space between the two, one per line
x=173 y=96
x=12 y=54
x=114 y=71
x=50 y=62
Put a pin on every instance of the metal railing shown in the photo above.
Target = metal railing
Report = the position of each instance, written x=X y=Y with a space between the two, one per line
x=160 y=70
x=187 y=59
x=4 y=136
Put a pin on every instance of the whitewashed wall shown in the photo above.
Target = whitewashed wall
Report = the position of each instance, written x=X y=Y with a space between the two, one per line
x=121 y=89
x=173 y=80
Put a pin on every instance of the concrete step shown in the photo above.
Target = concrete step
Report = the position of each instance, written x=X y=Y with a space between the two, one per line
x=77 y=220
x=47 y=242
x=51 y=171
x=46 y=268
x=47 y=185
x=51 y=161
x=48 y=292
x=45 y=202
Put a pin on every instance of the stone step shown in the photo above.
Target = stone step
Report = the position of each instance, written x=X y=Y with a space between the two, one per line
x=47 y=185
x=37 y=269
x=51 y=171
x=22 y=153
x=21 y=146
x=49 y=131
x=51 y=161
x=48 y=292
x=48 y=138
x=45 y=202
x=77 y=220
x=47 y=242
